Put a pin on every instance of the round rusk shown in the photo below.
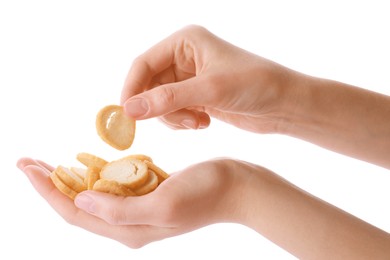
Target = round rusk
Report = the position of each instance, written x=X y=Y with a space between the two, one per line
x=112 y=187
x=70 y=179
x=161 y=175
x=127 y=171
x=114 y=127
x=149 y=186
x=91 y=160
x=62 y=187
x=141 y=157
x=93 y=174
x=81 y=172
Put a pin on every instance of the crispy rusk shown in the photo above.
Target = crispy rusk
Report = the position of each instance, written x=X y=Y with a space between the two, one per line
x=130 y=172
x=161 y=175
x=112 y=187
x=114 y=127
x=93 y=174
x=91 y=160
x=81 y=172
x=133 y=175
x=70 y=179
x=150 y=184
x=141 y=157
x=62 y=187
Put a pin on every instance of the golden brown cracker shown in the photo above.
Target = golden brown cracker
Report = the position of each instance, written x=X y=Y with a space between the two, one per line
x=93 y=174
x=91 y=160
x=81 y=172
x=114 y=127
x=70 y=179
x=130 y=172
x=141 y=157
x=161 y=175
x=149 y=186
x=112 y=187
x=62 y=187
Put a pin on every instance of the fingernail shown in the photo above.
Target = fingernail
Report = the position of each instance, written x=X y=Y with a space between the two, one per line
x=85 y=203
x=203 y=126
x=136 y=107
x=187 y=123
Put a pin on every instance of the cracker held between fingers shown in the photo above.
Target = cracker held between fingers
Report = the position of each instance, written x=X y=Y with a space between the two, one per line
x=114 y=127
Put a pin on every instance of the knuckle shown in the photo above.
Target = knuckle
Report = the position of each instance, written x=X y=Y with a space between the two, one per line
x=194 y=29
x=115 y=217
x=138 y=62
x=167 y=96
x=142 y=64
x=192 y=32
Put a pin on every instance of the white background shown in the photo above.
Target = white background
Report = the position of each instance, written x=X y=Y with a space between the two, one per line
x=61 y=61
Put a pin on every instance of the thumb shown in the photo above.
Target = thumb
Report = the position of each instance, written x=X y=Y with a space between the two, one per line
x=115 y=210
x=171 y=97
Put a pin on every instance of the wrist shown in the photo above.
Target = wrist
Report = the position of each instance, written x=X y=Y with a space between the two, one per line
x=289 y=102
x=243 y=199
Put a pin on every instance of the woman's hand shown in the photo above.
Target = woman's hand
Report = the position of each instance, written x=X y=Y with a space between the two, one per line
x=194 y=75
x=200 y=195
x=221 y=190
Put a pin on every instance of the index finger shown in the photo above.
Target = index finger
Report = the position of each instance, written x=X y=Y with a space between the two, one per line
x=145 y=67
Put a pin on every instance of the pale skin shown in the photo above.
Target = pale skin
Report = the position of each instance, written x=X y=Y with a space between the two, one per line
x=193 y=76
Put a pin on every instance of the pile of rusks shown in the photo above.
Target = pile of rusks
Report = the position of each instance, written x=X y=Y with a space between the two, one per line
x=133 y=175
